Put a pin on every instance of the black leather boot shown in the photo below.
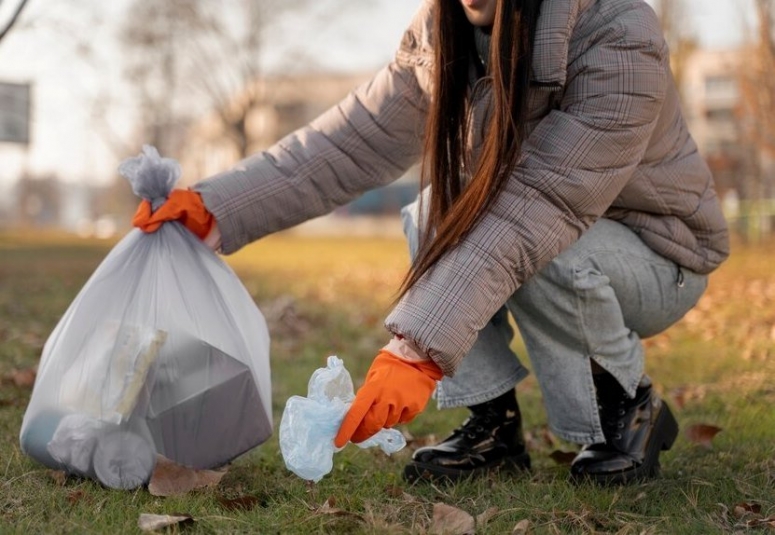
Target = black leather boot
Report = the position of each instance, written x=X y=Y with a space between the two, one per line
x=636 y=430
x=490 y=439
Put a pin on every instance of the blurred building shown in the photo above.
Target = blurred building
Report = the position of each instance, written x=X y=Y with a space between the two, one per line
x=287 y=103
x=719 y=100
x=711 y=91
x=276 y=106
x=46 y=202
x=716 y=94
x=711 y=94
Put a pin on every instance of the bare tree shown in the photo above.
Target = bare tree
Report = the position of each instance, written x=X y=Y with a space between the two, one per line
x=679 y=35
x=205 y=56
x=755 y=114
x=758 y=85
x=14 y=18
x=232 y=70
x=159 y=39
x=758 y=82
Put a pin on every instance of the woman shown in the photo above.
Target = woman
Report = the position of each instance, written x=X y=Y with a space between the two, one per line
x=563 y=187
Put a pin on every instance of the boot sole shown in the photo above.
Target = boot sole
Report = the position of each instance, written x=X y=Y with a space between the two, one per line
x=665 y=433
x=416 y=472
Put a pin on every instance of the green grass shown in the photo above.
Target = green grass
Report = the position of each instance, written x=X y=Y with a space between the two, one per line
x=329 y=296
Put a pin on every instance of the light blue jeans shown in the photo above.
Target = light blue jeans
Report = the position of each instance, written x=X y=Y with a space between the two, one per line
x=594 y=301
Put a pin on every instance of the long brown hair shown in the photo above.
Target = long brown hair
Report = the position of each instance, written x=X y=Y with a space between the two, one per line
x=454 y=210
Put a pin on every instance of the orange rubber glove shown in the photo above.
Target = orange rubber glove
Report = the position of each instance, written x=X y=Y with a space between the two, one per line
x=395 y=391
x=182 y=205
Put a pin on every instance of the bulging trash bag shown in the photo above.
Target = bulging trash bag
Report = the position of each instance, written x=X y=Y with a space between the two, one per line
x=309 y=425
x=163 y=351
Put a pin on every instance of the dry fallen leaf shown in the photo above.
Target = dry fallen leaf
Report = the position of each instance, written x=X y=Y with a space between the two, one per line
x=330 y=503
x=172 y=479
x=328 y=508
x=486 y=516
x=22 y=378
x=448 y=520
x=148 y=522
x=768 y=522
x=741 y=509
x=396 y=491
x=521 y=528
x=74 y=496
x=678 y=395
x=563 y=457
x=58 y=476
x=243 y=503
x=702 y=434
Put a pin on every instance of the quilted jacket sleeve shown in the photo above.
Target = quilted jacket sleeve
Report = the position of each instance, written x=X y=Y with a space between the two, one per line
x=368 y=140
x=574 y=164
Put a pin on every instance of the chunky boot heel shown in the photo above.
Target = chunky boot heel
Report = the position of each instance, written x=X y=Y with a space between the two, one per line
x=668 y=426
x=665 y=432
x=636 y=430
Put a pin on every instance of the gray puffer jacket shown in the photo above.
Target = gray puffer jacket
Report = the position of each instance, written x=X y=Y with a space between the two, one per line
x=607 y=139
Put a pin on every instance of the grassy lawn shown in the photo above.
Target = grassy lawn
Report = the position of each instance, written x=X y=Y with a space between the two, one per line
x=328 y=296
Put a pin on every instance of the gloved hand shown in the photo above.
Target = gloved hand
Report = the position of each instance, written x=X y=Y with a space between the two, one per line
x=395 y=391
x=182 y=205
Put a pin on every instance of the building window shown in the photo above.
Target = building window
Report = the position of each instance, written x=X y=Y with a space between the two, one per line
x=718 y=86
x=720 y=115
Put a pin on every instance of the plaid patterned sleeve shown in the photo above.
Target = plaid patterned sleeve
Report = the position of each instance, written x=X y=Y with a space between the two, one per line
x=368 y=140
x=574 y=164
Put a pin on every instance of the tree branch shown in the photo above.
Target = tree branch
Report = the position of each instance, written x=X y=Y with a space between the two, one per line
x=13 y=20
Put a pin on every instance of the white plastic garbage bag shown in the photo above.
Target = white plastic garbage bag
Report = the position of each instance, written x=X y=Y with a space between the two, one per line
x=309 y=425
x=163 y=351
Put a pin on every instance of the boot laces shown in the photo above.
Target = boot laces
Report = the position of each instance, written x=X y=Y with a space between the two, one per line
x=612 y=418
x=476 y=425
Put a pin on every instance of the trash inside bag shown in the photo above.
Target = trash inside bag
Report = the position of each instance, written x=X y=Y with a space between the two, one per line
x=163 y=351
x=309 y=425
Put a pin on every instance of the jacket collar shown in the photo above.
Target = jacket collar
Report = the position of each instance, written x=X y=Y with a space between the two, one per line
x=555 y=25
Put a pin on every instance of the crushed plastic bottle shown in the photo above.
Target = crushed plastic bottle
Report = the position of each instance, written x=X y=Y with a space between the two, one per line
x=309 y=425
